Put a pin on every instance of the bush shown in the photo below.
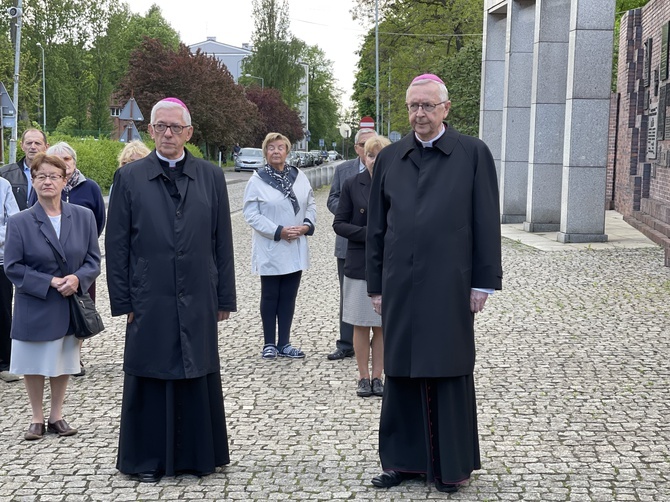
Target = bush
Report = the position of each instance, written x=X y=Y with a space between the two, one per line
x=97 y=158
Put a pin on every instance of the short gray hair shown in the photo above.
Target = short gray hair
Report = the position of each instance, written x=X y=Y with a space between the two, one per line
x=62 y=148
x=365 y=130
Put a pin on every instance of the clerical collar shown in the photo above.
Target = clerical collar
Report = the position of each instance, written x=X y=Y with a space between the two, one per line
x=171 y=162
x=429 y=143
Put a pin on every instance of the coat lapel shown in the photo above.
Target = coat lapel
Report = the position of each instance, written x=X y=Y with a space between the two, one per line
x=47 y=228
x=65 y=222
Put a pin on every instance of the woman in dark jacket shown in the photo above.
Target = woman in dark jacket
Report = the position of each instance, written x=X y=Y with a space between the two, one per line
x=351 y=222
x=42 y=341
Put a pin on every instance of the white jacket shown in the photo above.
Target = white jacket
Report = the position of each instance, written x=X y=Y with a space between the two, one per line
x=265 y=209
x=8 y=207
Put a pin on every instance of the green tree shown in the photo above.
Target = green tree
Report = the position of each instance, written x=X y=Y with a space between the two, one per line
x=276 y=52
x=415 y=36
x=323 y=97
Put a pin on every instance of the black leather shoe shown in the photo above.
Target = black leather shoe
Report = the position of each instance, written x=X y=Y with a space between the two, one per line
x=149 y=477
x=387 y=479
x=446 y=487
x=340 y=354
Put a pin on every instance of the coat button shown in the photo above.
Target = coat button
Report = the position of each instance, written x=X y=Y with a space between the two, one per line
x=362 y=210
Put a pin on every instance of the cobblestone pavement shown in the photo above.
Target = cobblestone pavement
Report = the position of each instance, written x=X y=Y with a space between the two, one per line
x=572 y=381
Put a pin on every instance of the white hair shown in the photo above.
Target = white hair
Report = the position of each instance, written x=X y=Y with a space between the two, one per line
x=170 y=105
x=365 y=130
x=442 y=89
x=62 y=148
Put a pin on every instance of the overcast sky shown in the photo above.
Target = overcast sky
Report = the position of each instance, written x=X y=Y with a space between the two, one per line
x=326 y=23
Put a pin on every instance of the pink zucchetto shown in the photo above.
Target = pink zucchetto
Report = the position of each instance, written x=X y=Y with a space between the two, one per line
x=428 y=76
x=178 y=101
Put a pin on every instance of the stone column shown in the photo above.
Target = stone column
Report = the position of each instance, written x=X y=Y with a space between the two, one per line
x=586 y=121
x=493 y=76
x=547 y=115
x=516 y=110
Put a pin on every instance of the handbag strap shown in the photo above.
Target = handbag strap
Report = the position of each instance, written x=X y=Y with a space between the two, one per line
x=59 y=259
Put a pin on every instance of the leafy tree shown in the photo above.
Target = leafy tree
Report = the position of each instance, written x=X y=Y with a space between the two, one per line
x=323 y=97
x=220 y=112
x=276 y=52
x=275 y=115
x=462 y=75
x=415 y=36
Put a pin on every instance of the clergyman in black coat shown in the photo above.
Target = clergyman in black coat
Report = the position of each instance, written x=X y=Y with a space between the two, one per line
x=170 y=270
x=433 y=255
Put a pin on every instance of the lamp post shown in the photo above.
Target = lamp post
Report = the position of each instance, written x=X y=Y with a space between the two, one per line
x=377 y=64
x=17 y=13
x=306 y=102
x=259 y=78
x=44 y=92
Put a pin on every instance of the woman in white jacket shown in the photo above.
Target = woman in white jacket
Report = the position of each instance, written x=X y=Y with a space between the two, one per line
x=279 y=206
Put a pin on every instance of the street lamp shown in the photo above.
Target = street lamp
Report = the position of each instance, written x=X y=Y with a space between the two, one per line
x=306 y=102
x=44 y=92
x=259 y=78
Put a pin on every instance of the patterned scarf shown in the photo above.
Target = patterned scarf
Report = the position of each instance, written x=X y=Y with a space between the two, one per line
x=73 y=181
x=282 y=181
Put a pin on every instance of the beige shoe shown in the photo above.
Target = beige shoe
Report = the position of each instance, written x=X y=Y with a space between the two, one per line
x=9 y=377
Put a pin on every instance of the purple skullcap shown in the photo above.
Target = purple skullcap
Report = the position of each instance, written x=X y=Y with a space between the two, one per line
x=178 y=101
x=429 y=76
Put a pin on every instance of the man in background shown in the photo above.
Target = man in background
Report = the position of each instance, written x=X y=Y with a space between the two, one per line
x=344 y=347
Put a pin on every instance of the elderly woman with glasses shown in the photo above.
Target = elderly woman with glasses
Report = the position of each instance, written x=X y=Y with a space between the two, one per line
x=39 y=241
x=279 y=206
x=81 y=191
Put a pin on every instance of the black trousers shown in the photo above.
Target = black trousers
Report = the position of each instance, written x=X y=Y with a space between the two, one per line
x=6 y=295
x=278 y=295
x=346 y=341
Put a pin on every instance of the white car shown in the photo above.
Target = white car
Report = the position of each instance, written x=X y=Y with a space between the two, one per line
x=249 y=158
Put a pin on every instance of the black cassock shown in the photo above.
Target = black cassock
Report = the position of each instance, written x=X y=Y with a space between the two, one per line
x=433 y=234
x=170 y=262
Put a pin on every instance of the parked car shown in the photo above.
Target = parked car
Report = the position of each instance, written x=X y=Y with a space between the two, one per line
x=249 y=159
x=318 y=160
x=293 y=159
x=306 y=159
x=333 y=155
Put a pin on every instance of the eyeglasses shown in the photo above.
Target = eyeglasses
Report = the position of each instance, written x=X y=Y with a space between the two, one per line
x=176 y=129
x=427 y=107
x=361 y=145
x=52 y=177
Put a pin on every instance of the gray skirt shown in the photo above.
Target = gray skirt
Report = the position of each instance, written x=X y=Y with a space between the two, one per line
x=357 y=305
x=49 y=359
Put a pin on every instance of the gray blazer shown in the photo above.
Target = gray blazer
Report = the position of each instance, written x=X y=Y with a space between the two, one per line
x=41 y=313
x=343 y=172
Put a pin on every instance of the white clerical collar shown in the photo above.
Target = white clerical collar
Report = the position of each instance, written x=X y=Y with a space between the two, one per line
x=171 y=162
x=429 y=143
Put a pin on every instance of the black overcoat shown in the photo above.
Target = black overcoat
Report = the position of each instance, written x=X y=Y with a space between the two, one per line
x=171 y=266
x=433 y=234
x=351 y=221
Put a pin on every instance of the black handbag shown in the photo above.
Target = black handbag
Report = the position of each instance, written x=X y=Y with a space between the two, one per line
x=84 y=318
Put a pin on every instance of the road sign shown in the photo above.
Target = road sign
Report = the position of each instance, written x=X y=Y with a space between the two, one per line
x=367 y=123
x=308 y=135
x=334 y=144
x=8 y=111
x=395 y=136
x=131 y=111
x=322 y=142
x=345 y=130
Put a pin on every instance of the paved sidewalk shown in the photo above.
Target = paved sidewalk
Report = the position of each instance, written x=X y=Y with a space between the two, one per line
x=572 y=380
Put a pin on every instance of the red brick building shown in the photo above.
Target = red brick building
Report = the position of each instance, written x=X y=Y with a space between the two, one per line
x=639 y=172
